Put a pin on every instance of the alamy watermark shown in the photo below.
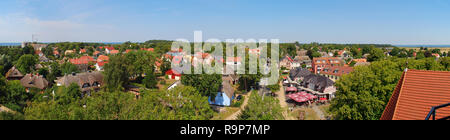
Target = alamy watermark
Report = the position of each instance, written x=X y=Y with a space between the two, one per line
x=208 y=57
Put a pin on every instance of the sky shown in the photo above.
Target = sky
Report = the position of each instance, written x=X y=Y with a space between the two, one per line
x=406 y=22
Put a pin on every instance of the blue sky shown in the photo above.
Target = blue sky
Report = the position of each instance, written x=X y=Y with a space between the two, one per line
x=325 y=21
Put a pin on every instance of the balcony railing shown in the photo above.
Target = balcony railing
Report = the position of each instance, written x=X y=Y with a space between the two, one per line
x=433 y=112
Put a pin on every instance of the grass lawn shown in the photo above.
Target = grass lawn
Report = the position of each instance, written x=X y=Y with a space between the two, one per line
x=309 y=114
x=325 y=109
x=224 y=114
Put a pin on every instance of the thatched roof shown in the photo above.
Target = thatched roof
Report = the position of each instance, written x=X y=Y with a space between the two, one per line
x=14 y=73
x=81 y=79
x=227 y=88
x=34 y=81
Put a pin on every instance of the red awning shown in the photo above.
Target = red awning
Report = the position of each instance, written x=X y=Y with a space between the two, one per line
x=290 y=89
x=302 y=97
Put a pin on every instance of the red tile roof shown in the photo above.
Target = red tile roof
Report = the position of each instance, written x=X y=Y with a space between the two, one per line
x=336 y=70
x=96 y=52
x=173 y=72
x=114 y=52
x=102 y=63
x=149 y=49
x=416 y=93
x=82 y=50
x=102 y=58
x=82 y=60
x=110 y=48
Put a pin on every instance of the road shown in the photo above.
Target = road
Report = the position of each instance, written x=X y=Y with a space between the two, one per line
x=281 y=95
x=235 y=115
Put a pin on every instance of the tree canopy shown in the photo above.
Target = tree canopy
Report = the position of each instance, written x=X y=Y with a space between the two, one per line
x=262 y=108
x=364 y=93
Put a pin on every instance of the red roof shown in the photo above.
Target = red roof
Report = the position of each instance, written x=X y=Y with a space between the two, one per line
x=128 y=50
x=336 y=70
x=290 y=59
x=110 y=48
x=177 y=59
x=102 y=63
x=82 y=50
x=149 y=49
x=82 y=60
x=55 y=52
x=96 y=52
x=102 y=58
x=114 y=52
x=416 y=93
x=234 y=59
x=173 y=72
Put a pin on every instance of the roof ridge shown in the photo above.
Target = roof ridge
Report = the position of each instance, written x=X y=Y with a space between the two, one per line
x=428 y=70
x=400 y=93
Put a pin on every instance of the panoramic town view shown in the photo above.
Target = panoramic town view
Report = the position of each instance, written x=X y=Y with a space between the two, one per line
x=224 y=60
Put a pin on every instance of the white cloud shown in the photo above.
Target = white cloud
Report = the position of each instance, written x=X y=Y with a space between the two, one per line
x=18 y=28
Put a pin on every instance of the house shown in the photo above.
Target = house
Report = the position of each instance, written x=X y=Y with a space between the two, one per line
x=83 y=62
x=416 y=93
x=232 y=78
x=322 y=86
x=99 y=66
x=173 y=74
x=14 y=74
x=56 y=53
x=69 y=52
x=436 y=55
x=82 y=51
x=129 y=50
x=319 y=63
x=34 y=81
x=286 y=62
x=96 y=53
x=304 y=60
x=88 y=81
x=254 y=51
x=359 y=60
x=335 y=72
x=43 y=59
x=112 y=52
x=234 y=61
x=225 y=96
x=302 y=53
x=102 y=58
x=109 y=49
x=202 y=58
x=343 y=53
x=148 y=49
x=38 y=66
x=36 y=46
x=298 y=74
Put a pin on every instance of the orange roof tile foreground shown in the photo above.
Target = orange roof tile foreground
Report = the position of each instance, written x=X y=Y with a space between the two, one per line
x=416 y=93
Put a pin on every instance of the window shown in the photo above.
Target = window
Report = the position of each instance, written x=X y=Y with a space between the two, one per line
x=86 y=85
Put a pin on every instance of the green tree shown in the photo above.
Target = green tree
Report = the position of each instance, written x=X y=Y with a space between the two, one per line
x=15 y=97
x=28 y=50
x=150 y=81
x=116 y=76
x=262 y=108
x=206 y=84
x=376 y=54
x=26 y=63
x=69 y=68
